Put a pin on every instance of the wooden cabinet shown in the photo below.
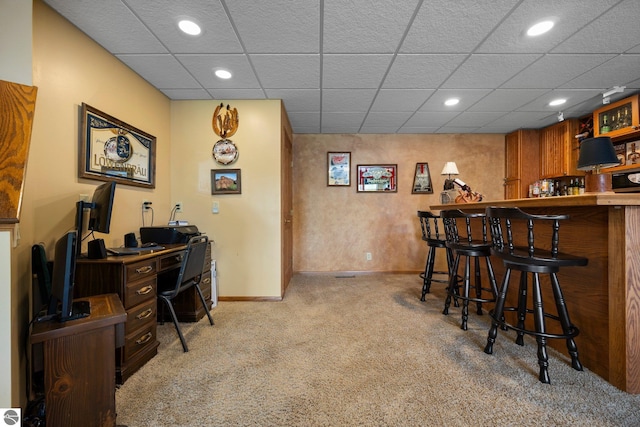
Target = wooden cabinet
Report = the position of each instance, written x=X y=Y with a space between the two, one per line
x=522 y=164
x=79 y=364
x=559 y=150
x=617 y=120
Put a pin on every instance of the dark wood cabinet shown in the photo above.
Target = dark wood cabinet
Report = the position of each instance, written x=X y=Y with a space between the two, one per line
x=559 y=150
x=522 y=152
x=79 y=364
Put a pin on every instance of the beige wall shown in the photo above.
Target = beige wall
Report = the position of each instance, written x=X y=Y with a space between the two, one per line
x=335 y=226
x=246 y=230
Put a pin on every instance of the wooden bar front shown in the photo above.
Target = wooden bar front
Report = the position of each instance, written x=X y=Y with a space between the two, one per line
x=603 y=297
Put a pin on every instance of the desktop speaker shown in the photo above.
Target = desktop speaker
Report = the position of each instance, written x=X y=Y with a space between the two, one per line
x=96 y=249
x=130 y=240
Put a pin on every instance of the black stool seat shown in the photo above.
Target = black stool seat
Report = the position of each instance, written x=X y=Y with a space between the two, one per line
x=512 y=233
x=433 y=234
x=466 y=235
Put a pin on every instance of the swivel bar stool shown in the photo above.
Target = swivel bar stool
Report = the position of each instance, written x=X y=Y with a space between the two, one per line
x=433 y=233
x=512 y=233
x=465 y=244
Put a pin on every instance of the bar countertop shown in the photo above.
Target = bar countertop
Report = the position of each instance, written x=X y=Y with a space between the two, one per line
x=587 y=199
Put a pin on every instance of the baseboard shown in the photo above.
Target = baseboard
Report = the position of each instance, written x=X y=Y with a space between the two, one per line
x=257 y=298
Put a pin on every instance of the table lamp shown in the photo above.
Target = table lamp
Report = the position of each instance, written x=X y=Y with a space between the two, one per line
x=596 y=153
x=449 y=169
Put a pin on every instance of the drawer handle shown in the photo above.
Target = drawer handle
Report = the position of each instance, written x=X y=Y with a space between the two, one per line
x=148 y=312
x=144 y=339
x=145 y=290
x=144 y=270
x=206 y=280
x=179 y=258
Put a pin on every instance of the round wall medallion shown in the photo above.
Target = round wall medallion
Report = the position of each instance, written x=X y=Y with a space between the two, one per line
x=225 y=152
x=118 y=149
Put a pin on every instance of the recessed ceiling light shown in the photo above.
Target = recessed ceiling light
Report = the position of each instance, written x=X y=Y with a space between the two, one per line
x=189 y=27
x=451 y=101
x=557 y=102
x=540 y=28
x=223 y=74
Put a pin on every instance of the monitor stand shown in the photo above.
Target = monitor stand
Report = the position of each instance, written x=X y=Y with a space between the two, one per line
x=79 y=309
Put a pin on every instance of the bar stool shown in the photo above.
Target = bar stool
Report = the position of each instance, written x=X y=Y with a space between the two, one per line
x=525 y=257
x=465 y=244
x=431 y=224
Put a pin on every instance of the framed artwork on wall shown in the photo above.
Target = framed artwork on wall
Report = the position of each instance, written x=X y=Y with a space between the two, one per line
x=226 y=181
x=377 y=178
x=112 y=150
x=422 y=180
x=339 y=169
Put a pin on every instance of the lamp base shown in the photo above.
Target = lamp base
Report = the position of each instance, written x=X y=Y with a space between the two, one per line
x=597 y=182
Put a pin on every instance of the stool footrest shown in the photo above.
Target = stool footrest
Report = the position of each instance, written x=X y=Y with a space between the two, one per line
x=573 y=332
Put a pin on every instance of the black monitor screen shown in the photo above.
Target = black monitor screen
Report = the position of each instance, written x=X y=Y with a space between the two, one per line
x=100 y=217
x=64 y=267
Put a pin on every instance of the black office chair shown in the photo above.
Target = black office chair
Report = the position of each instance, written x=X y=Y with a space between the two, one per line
x=189 y=276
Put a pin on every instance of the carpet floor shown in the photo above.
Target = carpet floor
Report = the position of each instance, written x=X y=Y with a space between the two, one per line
x=358 y=351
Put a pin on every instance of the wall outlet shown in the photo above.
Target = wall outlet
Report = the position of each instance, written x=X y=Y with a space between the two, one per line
x=215 y=208
x=178 y=206
x=146 y=205
x=368 y=256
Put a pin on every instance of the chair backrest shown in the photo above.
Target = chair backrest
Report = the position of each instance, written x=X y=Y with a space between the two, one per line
x=192 y=264
x=40 y=269
x=431 y=230
x=502 y=220
x=465 y=228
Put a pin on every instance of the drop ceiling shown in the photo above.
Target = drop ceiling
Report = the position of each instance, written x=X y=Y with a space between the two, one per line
x=379 y=66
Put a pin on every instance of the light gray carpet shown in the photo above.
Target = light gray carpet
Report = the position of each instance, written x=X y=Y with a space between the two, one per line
x=358 y=351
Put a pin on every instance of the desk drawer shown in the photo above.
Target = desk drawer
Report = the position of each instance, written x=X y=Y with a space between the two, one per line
x=139 y=292
x=139 y=315
x=171 y=261
x=141 y=270
x=139 y=340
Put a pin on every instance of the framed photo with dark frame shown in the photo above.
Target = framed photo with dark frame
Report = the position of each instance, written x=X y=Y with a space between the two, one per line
x=377 y=178
x=422 y=180
x=339 y=169
x=112 y=150
x=226 y=181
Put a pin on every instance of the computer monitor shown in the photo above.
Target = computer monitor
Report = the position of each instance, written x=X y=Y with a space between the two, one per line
x=101 y=206
x=62 y=280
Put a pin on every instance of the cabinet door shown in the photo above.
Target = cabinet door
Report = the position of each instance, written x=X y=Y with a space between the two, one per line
x=522 y=164
x=512 y=156
x=512 y=189
x=559 y=150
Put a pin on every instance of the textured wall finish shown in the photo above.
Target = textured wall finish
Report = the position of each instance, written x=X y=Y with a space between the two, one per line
x=334 y=227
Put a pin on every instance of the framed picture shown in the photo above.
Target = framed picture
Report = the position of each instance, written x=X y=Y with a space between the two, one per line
x=226 y=181
x=339 y=169
x=422 y=180
x=377 y=178
x=112 y=150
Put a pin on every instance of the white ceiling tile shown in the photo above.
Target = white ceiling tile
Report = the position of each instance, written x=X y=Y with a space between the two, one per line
x=386 y=119
x=187 y=93
x=437 y=26
x=237 y=93
x=202 y=68
x=306 y=120
x=573 y=97
x=347 y=100
x=488 y=71
x=507 y=99
x=421 y=71
x=467 y=98
x=474 y=119
x=354 y=71
x=553 y=71
x=417 y=129
x=277 y=26
x=400 y=99
x=297 y=99
x=355 y=26
x=615 y=72
x=162 y=19
x=378 y=129
x=569 y=16
x=337 y=121
x=114 y=27
x=287 y=71
x=162 y=71
x=430 y=119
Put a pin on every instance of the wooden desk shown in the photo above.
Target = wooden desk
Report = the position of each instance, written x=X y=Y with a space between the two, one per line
x=603 y=297
x=79 y=364
x=135 y=279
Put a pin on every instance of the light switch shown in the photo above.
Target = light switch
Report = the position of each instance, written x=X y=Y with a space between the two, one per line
x=215 y=208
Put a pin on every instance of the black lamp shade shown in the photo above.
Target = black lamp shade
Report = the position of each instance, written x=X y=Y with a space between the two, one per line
x=596 y=153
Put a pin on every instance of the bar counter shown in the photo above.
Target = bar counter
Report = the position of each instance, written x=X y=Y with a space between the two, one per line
x=604 y=297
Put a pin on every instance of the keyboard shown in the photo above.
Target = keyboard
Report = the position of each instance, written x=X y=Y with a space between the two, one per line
x=133 y=251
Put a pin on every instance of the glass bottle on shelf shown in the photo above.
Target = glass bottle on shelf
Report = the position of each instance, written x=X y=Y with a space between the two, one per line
x=581 y=189
x=614 y=123
x=605 y=124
